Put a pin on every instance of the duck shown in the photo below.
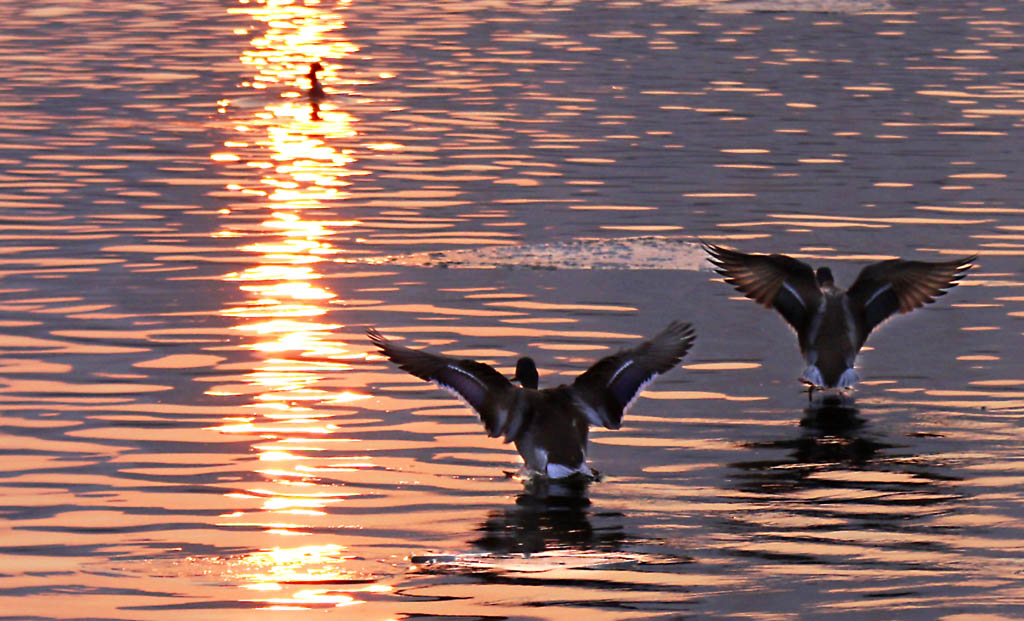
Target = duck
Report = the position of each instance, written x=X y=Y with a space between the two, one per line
x=549 y=426
x=316 y=91
x=831 y=324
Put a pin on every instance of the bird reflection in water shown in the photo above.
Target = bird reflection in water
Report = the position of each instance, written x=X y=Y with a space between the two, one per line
x=833 y=439
x=827 y=500
x=836 y=451
x=550 y=515
x=832 y=414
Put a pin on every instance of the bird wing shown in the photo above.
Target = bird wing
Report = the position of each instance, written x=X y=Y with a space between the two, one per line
x=491 y=395
x=883 y=288
x=772 y=280
x=609 y=387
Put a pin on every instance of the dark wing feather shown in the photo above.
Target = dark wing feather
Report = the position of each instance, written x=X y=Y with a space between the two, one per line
x=772 y=280
x=609 y=387
x=887 y=287
x=488 y=392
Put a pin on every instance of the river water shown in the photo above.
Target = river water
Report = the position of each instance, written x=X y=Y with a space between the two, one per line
x=189 y=420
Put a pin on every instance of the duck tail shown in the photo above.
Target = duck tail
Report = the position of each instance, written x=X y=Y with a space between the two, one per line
x=561 y=471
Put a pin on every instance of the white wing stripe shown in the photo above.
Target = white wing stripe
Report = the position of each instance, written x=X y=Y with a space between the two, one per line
x=619 y=371
x=874 y=295
x=467 y=374
x=796 y=295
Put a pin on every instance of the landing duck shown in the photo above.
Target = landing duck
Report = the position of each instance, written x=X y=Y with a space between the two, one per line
x=832 y=325
x=549 y=426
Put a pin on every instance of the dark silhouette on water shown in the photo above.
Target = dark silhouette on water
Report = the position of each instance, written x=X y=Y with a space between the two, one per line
x=316 y=90
x=549 y=426
x=833 y=438
x=832 y=325
x=549 y=515
x=838 y=475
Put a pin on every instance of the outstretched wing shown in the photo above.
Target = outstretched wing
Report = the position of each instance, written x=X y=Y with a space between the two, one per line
x=886 y=287
x=608 y=388
x=488 y=392
x=772 y=280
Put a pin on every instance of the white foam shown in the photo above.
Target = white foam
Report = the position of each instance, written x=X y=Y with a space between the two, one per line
x=805 y=6
x=623 y=253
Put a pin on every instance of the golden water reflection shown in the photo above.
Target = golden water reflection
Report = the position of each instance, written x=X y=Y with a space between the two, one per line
x=271 y=571
x=286 y=142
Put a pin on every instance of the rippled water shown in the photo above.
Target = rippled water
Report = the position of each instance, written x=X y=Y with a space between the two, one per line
x=188 y=262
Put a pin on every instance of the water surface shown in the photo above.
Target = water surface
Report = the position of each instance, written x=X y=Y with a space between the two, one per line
x=190 y=419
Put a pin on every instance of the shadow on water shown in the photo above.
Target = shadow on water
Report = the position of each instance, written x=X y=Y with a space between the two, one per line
x=835 y=438
x=550 y=515
x=832 y=437
x=844 y=496
x=554 y=548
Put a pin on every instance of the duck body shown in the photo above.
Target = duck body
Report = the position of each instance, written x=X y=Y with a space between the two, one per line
x=831 y=343
x=553 y=413
x=550 y=426
x=832 y=325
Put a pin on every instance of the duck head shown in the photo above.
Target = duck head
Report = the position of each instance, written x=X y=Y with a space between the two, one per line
x=824 y=277
x=526 y=373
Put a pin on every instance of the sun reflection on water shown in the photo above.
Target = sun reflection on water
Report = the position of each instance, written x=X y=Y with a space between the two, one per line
x=271 y=571
x=285 y=151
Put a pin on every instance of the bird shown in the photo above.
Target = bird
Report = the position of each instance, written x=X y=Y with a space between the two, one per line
x=549 y=426
x=316 y=91
x=832 y=325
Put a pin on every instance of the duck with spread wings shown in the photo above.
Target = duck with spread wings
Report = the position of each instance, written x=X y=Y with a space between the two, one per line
x=831 y=324
x=549 y=426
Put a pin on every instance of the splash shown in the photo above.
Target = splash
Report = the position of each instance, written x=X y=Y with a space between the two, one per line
x=627 y=253
x=806 y=6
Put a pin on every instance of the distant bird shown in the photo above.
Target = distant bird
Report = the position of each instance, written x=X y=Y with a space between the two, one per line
x=832 y=325
x=316 y=91
x=549 y=426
